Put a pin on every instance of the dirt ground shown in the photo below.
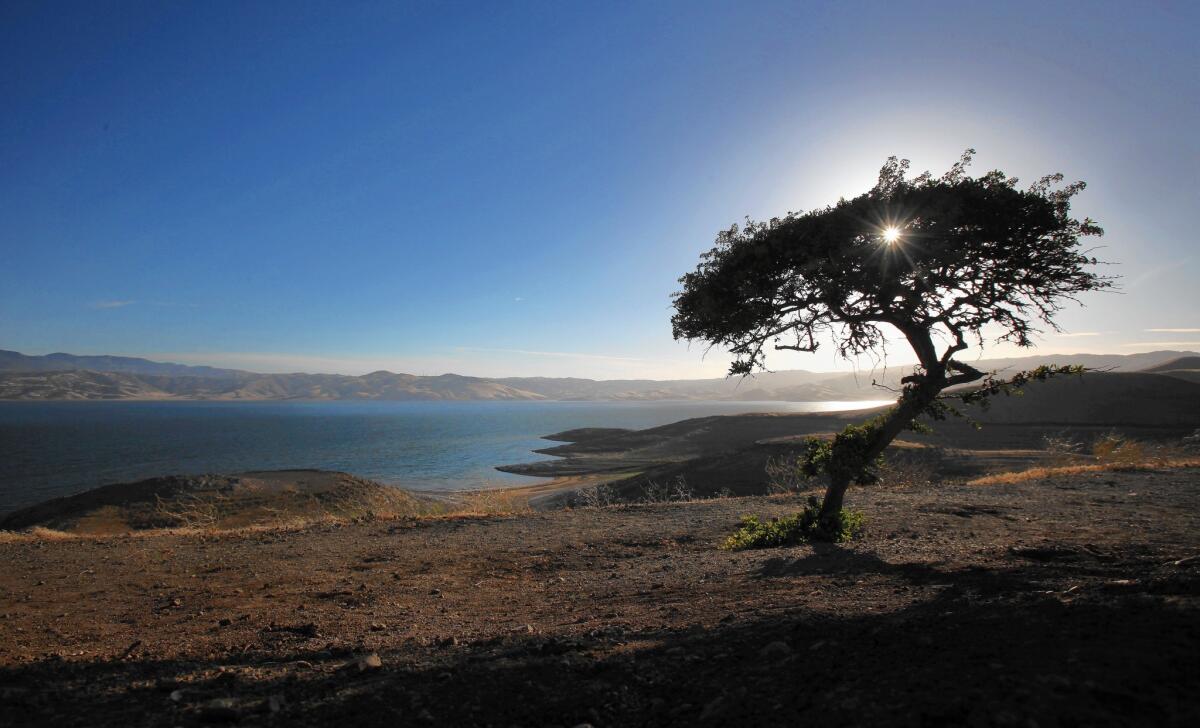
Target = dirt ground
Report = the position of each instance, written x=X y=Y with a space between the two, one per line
x=1073 y=601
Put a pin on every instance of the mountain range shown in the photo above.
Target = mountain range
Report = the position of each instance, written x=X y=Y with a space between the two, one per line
x=69 y=377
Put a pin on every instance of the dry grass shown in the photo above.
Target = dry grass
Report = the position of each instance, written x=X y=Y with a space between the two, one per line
x=37 y=533
x=204 y=517
x=1111 y=452
x=487 y=502
x=1038 y=473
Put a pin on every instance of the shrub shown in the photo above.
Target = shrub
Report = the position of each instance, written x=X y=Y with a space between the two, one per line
x=1116 y=449
x=597 y=496
x=916 y=468
x=489 y=502
x=786 y=475
x=799 y=528
x=673 y=492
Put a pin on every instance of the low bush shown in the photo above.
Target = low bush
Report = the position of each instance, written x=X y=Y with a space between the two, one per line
x=1119 y=450
x=598 y=496
x=676 y=491
x=786 y=475
x=799 y=528
x=488 y=502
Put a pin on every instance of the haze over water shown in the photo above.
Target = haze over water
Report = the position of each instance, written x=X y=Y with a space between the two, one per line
x=52 y=449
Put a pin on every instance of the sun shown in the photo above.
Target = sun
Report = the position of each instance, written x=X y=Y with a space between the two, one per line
x=891 y=234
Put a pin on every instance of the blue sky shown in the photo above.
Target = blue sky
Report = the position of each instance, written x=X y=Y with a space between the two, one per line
x=504 y=189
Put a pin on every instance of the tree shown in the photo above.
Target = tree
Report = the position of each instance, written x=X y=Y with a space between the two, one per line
x=937 y=259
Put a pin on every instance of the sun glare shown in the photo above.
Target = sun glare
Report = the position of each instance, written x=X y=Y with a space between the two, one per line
x=891 y=234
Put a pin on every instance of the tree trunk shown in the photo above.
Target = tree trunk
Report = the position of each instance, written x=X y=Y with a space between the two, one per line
x=835 y=496
x=904 y=413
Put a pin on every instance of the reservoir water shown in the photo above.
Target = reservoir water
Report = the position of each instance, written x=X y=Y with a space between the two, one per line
x=50 y=449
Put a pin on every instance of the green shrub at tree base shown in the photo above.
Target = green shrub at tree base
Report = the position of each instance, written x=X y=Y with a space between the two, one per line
x=803 y=527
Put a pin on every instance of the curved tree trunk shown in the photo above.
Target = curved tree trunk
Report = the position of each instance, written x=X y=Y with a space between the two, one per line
x=835 y=496
x=899 y=418
x=926 y=387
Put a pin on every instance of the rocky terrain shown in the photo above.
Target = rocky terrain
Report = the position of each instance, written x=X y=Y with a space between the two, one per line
x=1068 y=601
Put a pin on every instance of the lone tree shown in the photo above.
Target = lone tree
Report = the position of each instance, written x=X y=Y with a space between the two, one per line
x=936 y=259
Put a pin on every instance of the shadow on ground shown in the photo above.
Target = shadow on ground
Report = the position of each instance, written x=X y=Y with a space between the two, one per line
x=993 y=647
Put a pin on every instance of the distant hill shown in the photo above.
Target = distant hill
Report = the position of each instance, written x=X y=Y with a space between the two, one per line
x=379 y=386
x=12 y=361
x=77 y=385
x=66 y=376
x=1100 y=399
x=1185 y=367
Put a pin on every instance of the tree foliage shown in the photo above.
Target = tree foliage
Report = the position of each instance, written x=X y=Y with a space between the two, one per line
x=972 y=252
x=944 y=261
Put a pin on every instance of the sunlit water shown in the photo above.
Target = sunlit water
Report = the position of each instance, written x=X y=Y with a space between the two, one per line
x=50 y=449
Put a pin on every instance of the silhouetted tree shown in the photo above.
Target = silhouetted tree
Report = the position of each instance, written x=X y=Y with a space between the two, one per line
x=936 y=259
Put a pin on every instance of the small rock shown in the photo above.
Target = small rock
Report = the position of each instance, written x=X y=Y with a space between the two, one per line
x=776 y=650
x=378 y=627
x=275 y=703
x=364 y=663
x=1043 y=553
x=224 y=622
x=220 y=710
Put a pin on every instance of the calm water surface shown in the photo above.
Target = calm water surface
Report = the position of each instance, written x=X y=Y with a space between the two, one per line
x=50 y=449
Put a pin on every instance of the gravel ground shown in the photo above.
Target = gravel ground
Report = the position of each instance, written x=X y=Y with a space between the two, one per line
x=1065 y=602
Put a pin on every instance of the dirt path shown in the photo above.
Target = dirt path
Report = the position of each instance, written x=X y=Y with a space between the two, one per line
x=1048 y=603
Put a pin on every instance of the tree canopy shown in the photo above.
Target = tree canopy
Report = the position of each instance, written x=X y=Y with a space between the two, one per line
x=944 y=261
x=950 y=254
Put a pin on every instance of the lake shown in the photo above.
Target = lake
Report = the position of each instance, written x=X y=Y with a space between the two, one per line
x=50 y=449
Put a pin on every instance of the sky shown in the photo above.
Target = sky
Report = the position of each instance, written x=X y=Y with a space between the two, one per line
x=503 y=189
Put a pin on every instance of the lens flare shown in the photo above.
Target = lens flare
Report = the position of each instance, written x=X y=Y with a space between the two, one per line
x=891 y=234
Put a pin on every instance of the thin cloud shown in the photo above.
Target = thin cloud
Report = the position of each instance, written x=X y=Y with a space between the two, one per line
x=285 y=362
x=112 y=304
x=1079 y=334
x=172 y=304
x=1160 y=344
x=557 y=354
x=1174 y=331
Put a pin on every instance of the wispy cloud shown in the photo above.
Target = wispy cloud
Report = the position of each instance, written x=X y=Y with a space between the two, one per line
x=1174 y=331
x=1146 y=275
x=480 y=362
x=112 y=304
x=1078 y=334
x=1161 y=344
x=286 y=362
x=556 y=354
